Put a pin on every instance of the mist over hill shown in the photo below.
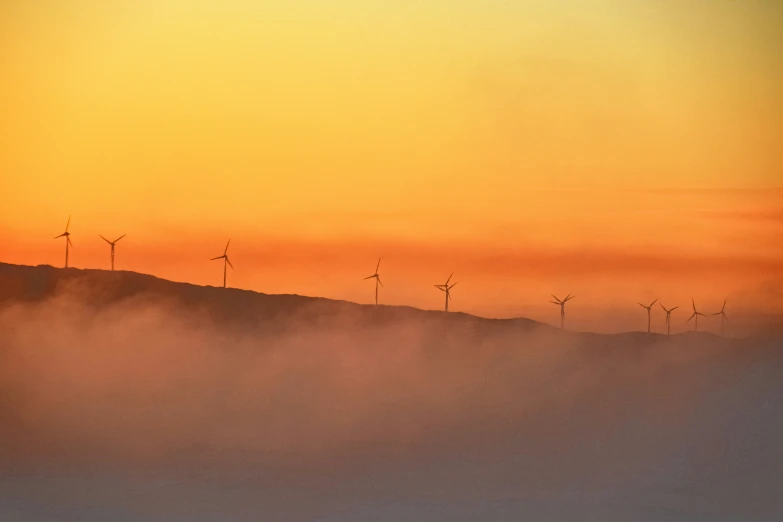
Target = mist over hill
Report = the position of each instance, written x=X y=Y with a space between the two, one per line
x=247 y=309
x=235 y=308
x=126 y=397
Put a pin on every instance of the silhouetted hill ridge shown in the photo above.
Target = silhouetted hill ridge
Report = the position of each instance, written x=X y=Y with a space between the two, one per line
x=233 y=305
x=251 y=309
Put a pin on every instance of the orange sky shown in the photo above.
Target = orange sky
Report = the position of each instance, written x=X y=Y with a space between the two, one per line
x=620 y=150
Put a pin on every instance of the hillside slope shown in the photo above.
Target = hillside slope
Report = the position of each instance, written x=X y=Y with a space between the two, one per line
x=243 y=308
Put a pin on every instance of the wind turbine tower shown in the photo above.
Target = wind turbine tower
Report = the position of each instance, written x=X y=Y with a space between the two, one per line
x=696 y=314
x=377 y=278
x=561 y=303
x=722 y=315
x=226 y=261
x=648 y=313
x=669 y=318
x=112 y=243
x=67 y=236
x=446 y=288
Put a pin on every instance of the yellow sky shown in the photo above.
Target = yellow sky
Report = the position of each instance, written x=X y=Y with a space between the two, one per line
x=369 y=127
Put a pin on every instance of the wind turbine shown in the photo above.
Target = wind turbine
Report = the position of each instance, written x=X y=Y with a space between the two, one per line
x=668 y=318
x=377 y=278
x=648 y=313
x=722 y=315
x=562 y=303
x=446 y=288
x=112 y=243
x=67 y=236
x=696 y=314
x=226 y=261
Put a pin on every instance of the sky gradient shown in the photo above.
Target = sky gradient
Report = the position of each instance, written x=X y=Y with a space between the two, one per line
x=620 y=150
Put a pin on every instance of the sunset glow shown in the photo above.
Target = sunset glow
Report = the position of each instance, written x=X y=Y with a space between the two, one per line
x=624 y=152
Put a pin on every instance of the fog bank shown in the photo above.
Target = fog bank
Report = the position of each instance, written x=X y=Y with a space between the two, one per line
x=142 y=409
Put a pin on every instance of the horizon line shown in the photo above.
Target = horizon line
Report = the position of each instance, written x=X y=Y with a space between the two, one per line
x=514 y=318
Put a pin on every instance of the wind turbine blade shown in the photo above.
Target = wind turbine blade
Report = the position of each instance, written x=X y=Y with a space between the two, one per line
x=640 y=304
x=664 y=308
x=556 y=298
x=554 y=303
x=379 y=281
x=455 y=284
x=676 y=307
x=694 y=304
x=449 y=279
x=691 y=317
x=68 y=223
x=57 y=237
x=226 y=250
x=122 y=236
x=569 y=298
x=68 y=238
x=377 y=266
x=724 y=305
x=104 y=239
x=229 y=263
x=216 y=258
x=651 y=304
x=369 y=277
x=725 y=316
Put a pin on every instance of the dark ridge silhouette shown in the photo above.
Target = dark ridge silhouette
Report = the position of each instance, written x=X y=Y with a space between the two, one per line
x=235 y=307
x=256 y=311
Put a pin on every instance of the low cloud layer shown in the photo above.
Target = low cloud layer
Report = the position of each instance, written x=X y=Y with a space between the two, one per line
x=432 y=413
